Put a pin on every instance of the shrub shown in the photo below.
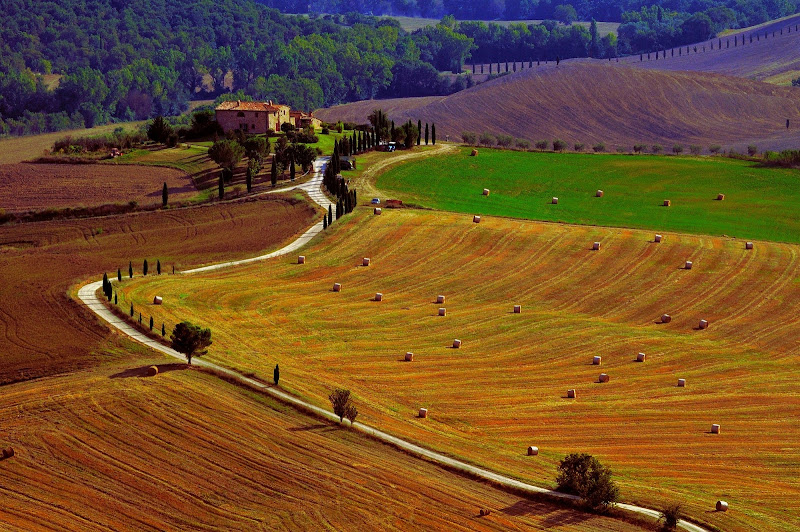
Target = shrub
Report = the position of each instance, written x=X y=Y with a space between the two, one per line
x=326 y=131
x=469 y=138
x=656 y=148
x=694 y=149
x=752 y=149
x=670 y=515
x=639 y=148
x=620 y=149
x=523 y=144
x=505 y=141
x=559 y=145
x=579 y=146
x=715 y=148
x=487 y=139
x=542 y=144
x=585 y=476
x=677 y=149
x=599 y=147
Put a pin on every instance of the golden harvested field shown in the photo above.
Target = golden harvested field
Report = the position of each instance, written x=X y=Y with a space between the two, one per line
x=110 y=449
x=43 y=331
x=29 y=186
x=506 y=387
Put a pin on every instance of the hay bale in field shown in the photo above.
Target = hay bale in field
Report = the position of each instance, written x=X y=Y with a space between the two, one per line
x=485 y=191
x=749 y=245
x=365 y=261
x=473 y=153
x=597 y=360
x=688 y=265
x=641 y=357
x=720 y=197
x=658 y=238
x=681 y=383
x=442 y=311
x=572 y=394
x=8 y=453
x=476 y=219
x=158 y=300
x=533 y=451
x=599 y=194
x=337 y=287
x=555 y=201
x=301 y=259
x=423 y=412
x=409 y=357
x=596 y=246
x=482 y=511
x=378 y=296
x=517 y=309
x=152 y=371
x=377 y=210
x=703 y=324
x=666 y=318
x=715 y=428
x=604 y=377
x=722 y=506
x=667 y=203
x=456 y=344
x=440 y=299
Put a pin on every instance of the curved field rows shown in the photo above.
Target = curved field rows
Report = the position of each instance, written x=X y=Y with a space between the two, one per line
x=114 y=450
x=505 y=388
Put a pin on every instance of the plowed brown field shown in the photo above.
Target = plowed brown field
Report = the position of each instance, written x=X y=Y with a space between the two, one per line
x=44 y=331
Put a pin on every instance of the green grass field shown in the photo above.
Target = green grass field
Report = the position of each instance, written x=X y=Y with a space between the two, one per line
x=760 y=203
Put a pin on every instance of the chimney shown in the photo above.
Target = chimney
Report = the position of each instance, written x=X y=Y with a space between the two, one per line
x=238 y=103
x=270 y=102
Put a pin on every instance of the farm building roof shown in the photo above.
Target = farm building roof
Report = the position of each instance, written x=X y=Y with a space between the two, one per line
x=239 y=105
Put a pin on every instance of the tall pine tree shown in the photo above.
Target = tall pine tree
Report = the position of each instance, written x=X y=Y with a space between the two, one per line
x=273 y=174
x=419 y=132
x=433 y=133
x=426 y=133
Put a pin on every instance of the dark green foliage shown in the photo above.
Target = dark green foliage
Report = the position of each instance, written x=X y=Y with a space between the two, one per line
x=342 y=404
x=276 y=374
x=256 y=147
x=585 y=476
x=119 y=275
x=419 y=132
x=140 y=318
x=227 y=154
x=131 y=310
x=163 y=330
x=221 y=187
x=291 y=170
x=426 y=133
x=433 y=133
x=151 y=323
x=330 y=212
x=559 y=145
x=158 y=266
x=273 y=173
x=144 y=267
x=670 y=515
x=191 y=340
x=325 y=222
x=164 y=195
x=130 y=270
x=159 y=130
x=115 y=299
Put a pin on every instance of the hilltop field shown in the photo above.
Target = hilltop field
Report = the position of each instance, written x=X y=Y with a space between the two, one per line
x=505 y=388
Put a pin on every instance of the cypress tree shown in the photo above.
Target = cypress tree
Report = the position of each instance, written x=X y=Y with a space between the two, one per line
x=433 y=133
x=151 y=323
x=131 y=310
x=130 y=270
x=426 y=133
x=273 y=176
x=330 y=214
x=419 y=132
x=221 y=187
x=164 y=195
x=325 y=222
x=119 y=275
x=292 y=170
x=249 y=179
x=105 y=284
x=163 y=330
x=276 y=374
x=158 y=266
x=140 y=318
x=355 y=197
x=144 y=267
x=391 y=133
x=115 y=299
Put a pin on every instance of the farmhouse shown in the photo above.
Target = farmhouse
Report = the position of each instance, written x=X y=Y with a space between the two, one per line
x=252 y=117
x=302 y=120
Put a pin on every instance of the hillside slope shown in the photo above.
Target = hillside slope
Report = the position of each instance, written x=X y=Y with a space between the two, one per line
x=619 y=105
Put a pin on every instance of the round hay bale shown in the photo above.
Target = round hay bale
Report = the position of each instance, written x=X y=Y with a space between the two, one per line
x=533 y=451
x=599 y=194
x=8 y=453
x=337 y=287
x=722 y=506
x=703 y=324
x=658 y=238
x=442 y=311
x=152 y=371
x=688 y=265
x=720 y=197
x=301 y=259
x=485 y=191
x=667 y=203
x=748 y=245
x=517 y=309
x=158 y=300
x=423 y=412
x=681 y=383
x=473 y=153
x=378 y=296
x=666 y=318
x=555 y=200
x=409 y=357
x=456 y=344
x=641 y=357
x=715 y=428
x=365 y=261
x=482 y=512
x=597 y=360
x=596 y=246
x=572 y=394
x=476 y=219
x=440 y=299
x=377 y=211
x=604 y=377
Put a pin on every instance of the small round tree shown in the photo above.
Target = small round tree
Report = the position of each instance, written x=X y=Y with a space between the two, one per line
x=342 y=405
x=191 y=340
x=585 y=476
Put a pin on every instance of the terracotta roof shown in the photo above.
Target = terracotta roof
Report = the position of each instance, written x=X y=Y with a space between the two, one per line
x=249 y=106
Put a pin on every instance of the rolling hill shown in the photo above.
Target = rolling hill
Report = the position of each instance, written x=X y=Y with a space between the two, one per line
x=605 y=102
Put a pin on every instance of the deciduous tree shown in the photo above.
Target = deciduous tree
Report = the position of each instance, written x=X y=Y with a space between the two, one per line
x=191 y=340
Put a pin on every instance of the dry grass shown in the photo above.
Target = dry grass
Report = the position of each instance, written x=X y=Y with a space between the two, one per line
x=505 y=388
x=43 y=331
x=112 y=449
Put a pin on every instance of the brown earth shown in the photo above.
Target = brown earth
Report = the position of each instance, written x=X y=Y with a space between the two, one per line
x=29 y=186
x=599 y=102
x=43 y=331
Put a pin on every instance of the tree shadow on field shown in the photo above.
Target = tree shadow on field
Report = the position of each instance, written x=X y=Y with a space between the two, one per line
x=320 y=427
x=555 y=516
x=142 y=371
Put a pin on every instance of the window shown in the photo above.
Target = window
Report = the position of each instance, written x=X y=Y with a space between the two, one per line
x=252 y=126
x=240 y=114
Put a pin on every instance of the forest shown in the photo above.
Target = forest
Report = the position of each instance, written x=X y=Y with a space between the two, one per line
x=75 y=63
